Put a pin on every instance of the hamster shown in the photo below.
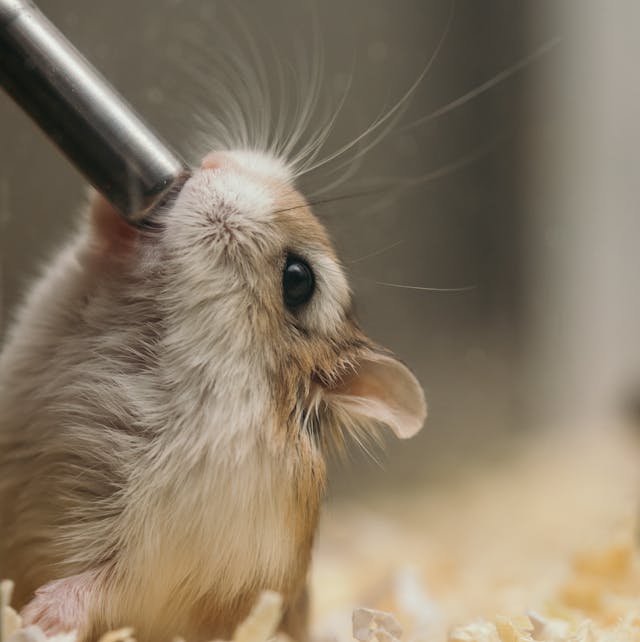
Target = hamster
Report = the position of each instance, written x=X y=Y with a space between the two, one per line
x=168 y=399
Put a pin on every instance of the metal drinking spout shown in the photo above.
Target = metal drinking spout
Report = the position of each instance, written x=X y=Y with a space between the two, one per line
x=83 y=115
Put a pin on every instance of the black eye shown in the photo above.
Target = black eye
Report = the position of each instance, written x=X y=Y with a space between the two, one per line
x=298 y=282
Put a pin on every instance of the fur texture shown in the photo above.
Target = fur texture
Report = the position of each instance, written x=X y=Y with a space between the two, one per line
x=164 y=418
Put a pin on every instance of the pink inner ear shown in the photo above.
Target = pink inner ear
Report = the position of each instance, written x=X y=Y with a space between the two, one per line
x=385 y=390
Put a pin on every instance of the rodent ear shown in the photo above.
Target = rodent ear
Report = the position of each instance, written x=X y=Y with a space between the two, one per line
x=384 y=390
x=111 y=233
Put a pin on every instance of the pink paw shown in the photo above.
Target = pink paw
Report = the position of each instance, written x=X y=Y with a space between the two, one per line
x=60 y=606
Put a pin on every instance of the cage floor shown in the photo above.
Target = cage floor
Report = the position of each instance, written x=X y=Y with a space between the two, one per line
x=539 y=545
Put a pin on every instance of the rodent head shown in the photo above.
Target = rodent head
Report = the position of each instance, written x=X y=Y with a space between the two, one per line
x=253 y=289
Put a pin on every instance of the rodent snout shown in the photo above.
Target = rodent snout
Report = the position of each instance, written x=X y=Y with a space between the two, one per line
x=217 y=160
x=257 y=165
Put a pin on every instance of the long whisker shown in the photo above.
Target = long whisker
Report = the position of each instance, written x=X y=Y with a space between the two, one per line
x=466 y=288
x=396 y=186
x=354 y=163
x=341 y=197
x=378 y=122
x=487 y=85
x=377 y=252
x=308 y=82
x=460 y=163
x=309 y=152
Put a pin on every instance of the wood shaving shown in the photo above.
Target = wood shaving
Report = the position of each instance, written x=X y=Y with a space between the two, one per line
x=369 y=624
x=10 y=621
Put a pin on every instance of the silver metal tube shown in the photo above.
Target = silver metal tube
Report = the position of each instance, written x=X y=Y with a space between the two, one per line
x=83 y=115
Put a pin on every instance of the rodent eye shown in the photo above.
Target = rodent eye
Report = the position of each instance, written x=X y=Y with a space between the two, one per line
x=298 y=282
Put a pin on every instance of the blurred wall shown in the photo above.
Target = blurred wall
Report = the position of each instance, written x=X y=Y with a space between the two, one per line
x=583 y=306
x=465 y=227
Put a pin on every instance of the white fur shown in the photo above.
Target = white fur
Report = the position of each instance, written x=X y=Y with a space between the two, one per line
x=325 y=311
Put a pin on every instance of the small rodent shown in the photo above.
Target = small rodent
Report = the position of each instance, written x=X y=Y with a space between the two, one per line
x=168 y=396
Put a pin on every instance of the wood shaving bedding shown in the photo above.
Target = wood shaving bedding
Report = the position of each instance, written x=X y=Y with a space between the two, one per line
x=540 y=547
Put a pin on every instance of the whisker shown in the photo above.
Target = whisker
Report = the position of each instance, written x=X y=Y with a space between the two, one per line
x=341 y=197
x=381 y=120
x=279 y=85
x=355 y=162
x=460 y=163
x=240 y=82
x=377 y=252
x=466 y=288
x=316 y=141
x=308 y=82
x=488 y=84
x=396 y=186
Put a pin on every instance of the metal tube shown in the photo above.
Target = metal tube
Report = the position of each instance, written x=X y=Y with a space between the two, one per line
x=82 y=114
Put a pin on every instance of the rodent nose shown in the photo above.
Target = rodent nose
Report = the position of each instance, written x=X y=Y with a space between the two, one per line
x=217 y=160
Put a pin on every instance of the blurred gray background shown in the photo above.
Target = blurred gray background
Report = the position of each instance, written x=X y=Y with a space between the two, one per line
x=534 y=207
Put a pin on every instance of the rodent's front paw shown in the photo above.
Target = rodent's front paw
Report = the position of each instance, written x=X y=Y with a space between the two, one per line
x=60 y=606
